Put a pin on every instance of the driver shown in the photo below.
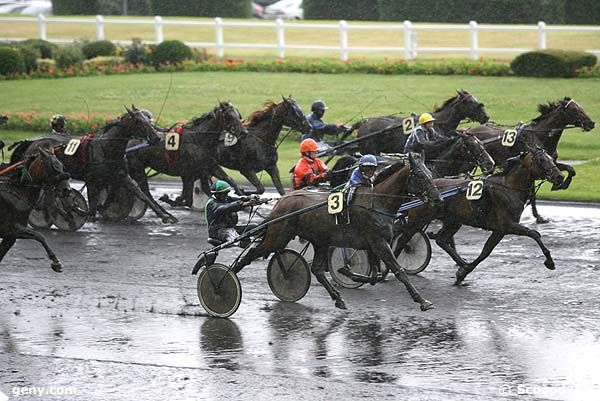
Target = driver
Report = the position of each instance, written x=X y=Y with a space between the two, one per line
x=309 y=170
x=59 y=125
x=425 y=137
x=364 y=174
x=319 y=128
x=221 y=212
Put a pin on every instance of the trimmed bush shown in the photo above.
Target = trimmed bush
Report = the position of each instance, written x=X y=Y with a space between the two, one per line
x=99 y=48
x=74 y=7
x=171 y=52
x=45 y=48
x=552 y=63
x=11 y=61
x=30 y=56
x=136 y=53
x=68 y=56
x=365 y=10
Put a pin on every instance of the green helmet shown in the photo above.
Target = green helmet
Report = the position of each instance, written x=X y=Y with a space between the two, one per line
x=220 y=187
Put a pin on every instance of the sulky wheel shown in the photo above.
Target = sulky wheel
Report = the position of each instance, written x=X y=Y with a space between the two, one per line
x=358 y=263
x=298 y=244
x=40 y=216
x=219 y=290
x=138 y=210
x=75 y=209
x=416 y=254
x=288 y=275
x=115 y=203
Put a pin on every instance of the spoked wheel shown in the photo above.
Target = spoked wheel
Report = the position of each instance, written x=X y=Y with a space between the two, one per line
x=358 y=263
x=416 y=254
x=76 y=211
x=115 y=203
x=138 y=210
x=219 y=290
x=40 y=218
x=298 y=244
x=288 y=275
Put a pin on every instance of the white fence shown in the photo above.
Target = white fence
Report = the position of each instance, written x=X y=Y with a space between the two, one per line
x=410 y=48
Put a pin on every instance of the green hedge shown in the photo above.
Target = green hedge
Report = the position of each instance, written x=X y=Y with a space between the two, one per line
x=74 y=7
x=30 y=56
x=171 y=52
x=99 y=48
x=45 y=48
x=68 y=56
x=365 y=10
x=11 y=61
x=206 y=8
x=552 y=63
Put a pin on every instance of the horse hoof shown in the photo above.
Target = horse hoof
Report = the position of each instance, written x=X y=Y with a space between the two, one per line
x=56 y=266
x=550 y=264
x=340 y=304
x=170 y=220
x=541 y=220
x=426 y=305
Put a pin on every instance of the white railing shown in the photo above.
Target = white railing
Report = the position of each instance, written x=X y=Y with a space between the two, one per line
x=410 y=48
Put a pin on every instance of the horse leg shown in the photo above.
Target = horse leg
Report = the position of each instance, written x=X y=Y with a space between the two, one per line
x=276 y=238
x=489 y=246
x=273 y=171
x=148 y=200
x=570 y=174
x=23 y=232
x=92 y=193
x=5 y=246
x=518 y=229
x=532 y=201
x=251 y=176
x=375 y=263
x=380 y=247
x=445 y=240
x=318 y=268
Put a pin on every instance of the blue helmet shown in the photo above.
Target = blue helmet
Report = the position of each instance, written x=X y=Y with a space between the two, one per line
x=367 y=160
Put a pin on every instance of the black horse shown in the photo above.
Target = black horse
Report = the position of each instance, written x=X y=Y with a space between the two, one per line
x=544 y=130
x=503 y=199
x=257 y=151
x=448 y=116
x=99 y=159
x=19 y=192
x=196 y=156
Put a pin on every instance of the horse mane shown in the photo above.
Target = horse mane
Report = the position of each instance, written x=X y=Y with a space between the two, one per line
x=508 y=165
x=261 y=115
x=385 y=174
x=199 y=120
x=547 y=108
x=448 y=102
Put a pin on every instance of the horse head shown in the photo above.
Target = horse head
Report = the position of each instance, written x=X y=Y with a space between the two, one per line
x=229 y=119
x=473 y=150
x=564 y=112
x=542 y=165
x=420 y=181
x=294 y=116
x=46 y=169
x=138 y=125
x=470 y=107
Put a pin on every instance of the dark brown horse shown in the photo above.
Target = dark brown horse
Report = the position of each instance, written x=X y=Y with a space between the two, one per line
x=196 y=157
x=544 y=130
x=371 y=213
x=100 y=161
x=19 y=192
x=448 y=116
x=499 y=210
x=257 y=151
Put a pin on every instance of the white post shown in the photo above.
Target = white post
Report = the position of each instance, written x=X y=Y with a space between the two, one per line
x=42 y=27
x=158 y=30
x=99 y=27
x=343 y=40
x=541 y=35
x=474 y=41
x=219 y=38
x=280 y=38
x=407 y=40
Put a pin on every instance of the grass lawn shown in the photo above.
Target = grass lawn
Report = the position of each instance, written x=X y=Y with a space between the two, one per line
x=357 y=38
x=508 y=100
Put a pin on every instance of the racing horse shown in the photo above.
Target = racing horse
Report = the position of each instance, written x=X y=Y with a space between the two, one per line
x=19 y=192
x=371 y=218
x=544 y=130
x=196 y=157
x=257 y=151
x=448 y=116
x=499 y=209
x=99 y=159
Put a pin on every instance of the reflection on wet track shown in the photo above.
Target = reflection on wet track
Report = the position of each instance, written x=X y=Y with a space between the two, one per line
x=123 y=322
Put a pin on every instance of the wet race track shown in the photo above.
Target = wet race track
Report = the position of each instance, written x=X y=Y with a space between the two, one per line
x=123 y=322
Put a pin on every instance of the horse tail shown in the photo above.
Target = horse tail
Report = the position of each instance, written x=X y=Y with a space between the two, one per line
x=20 y=148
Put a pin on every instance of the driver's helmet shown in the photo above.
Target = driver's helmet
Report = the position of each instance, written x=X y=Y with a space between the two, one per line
x=308 y=145
x=425 y=118
x=148 y=114
x=58 y=122
x=367 y=166
x=220 y=187
x=318 y=105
